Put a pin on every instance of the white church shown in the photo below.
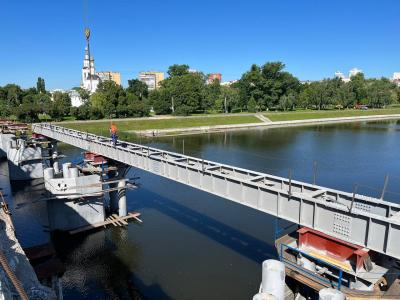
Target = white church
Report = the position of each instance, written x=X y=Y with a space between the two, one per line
x=90 y=80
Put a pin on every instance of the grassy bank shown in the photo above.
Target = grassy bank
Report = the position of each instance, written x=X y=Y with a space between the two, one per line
x=315 y=114
x=146 y=124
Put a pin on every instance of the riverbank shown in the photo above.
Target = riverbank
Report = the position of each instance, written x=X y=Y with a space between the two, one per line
x=172 y=125
x=270 y=124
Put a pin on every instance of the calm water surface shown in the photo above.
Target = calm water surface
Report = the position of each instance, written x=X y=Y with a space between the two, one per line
x=196 y=246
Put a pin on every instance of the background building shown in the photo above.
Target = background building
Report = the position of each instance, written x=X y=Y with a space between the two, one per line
x=89 y=80
x=354 y=72
x=396 y=78
x=152 y=79
x=213 y=76
x=110 y=75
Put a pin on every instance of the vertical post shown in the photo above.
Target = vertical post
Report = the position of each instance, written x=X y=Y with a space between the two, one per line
x=226 y=111
x=172 y=103
x=183 y=146
x=122 y=210
x=354 y=196
x=385 y=186
x=315 y=172
x=290 y=182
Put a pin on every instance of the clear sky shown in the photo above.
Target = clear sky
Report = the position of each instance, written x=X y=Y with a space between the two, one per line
x=313 y=38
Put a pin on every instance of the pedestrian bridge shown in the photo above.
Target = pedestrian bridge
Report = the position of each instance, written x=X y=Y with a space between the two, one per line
x=369 y=222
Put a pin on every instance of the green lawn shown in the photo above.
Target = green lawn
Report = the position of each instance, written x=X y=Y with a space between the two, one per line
x=128 y=125
x=315 y=114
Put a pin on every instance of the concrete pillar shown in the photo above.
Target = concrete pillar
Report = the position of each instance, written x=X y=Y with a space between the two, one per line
x=331 y=294
x=73 y=172
x=263 y=296
x=48 y=173
x=273 y=278
x=56 y=167
x=66 y=167
x=113 y=197
x=122 y=210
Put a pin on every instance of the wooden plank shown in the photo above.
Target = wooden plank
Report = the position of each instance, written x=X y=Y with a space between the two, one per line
x=134 y=215
x=119 y=219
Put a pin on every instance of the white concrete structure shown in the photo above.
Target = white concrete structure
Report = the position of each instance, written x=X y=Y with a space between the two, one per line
x=24 y=161
x=90 y=80
x=75 y=200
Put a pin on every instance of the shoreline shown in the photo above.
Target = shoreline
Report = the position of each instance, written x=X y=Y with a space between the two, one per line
x=270 y=124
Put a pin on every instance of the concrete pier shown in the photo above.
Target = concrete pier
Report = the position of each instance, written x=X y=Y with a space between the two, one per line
x=74 y=201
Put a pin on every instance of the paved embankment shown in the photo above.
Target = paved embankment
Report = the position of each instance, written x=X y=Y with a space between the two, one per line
x=265 y=124
x=17 y=276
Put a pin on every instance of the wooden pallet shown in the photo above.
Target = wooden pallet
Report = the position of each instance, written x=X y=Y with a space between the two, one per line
x=113 y=219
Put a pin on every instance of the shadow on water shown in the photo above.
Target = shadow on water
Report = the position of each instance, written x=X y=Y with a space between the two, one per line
x=236 y=240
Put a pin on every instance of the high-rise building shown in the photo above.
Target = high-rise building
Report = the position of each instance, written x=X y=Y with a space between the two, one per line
x=110 y=75
x=152 y=79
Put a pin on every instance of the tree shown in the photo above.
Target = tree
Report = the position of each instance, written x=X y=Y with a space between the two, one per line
x=137 y=88
x=252 y=105
x=287 y=102
x=107 y=97
x=61 y=106
x=186 y=92
x=212 y=93
x=267 y=84
x=380 y=93
x=228 y=100
x=40 y=85
x=178 y=70
x=359 y=88
x=160 y=100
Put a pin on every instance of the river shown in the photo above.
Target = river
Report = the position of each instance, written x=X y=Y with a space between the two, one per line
x=192 y=245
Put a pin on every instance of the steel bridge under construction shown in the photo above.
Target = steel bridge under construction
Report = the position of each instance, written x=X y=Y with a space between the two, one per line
x=365 y=221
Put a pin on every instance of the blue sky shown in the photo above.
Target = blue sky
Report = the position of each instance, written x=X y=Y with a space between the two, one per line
x=313 y=38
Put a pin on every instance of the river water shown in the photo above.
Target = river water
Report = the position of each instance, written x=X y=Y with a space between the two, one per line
x=193 y=245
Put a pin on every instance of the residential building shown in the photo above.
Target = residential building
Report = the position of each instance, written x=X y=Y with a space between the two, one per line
x=152 y=79
x=213 y=76
x=110 y=75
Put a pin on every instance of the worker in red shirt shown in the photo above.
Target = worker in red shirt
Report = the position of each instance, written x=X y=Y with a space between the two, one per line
x=114 y=133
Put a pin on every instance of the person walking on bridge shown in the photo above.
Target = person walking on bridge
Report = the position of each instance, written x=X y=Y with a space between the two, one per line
x=114 y=133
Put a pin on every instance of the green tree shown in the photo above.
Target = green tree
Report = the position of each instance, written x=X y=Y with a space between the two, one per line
x=380 y=92
x=359 y=88
x=137 y=88
x=252 y=105
x=212 y=93
x=40 y=85
x=178 y=70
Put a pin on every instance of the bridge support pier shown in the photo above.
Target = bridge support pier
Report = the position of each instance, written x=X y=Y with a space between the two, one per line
x=122 y=210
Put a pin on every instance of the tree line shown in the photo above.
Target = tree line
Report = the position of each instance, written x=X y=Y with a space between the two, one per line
x=183 y=92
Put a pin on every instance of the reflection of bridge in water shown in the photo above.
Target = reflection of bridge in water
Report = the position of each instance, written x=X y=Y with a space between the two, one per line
x=368 y=222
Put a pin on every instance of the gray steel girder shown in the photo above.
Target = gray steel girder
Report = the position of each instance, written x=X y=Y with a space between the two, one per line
x=365 y=221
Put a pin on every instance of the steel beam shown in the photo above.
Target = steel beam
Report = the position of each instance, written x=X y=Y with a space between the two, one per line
x=365 y=221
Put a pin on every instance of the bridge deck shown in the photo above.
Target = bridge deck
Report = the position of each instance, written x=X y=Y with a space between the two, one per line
x=365 y=221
